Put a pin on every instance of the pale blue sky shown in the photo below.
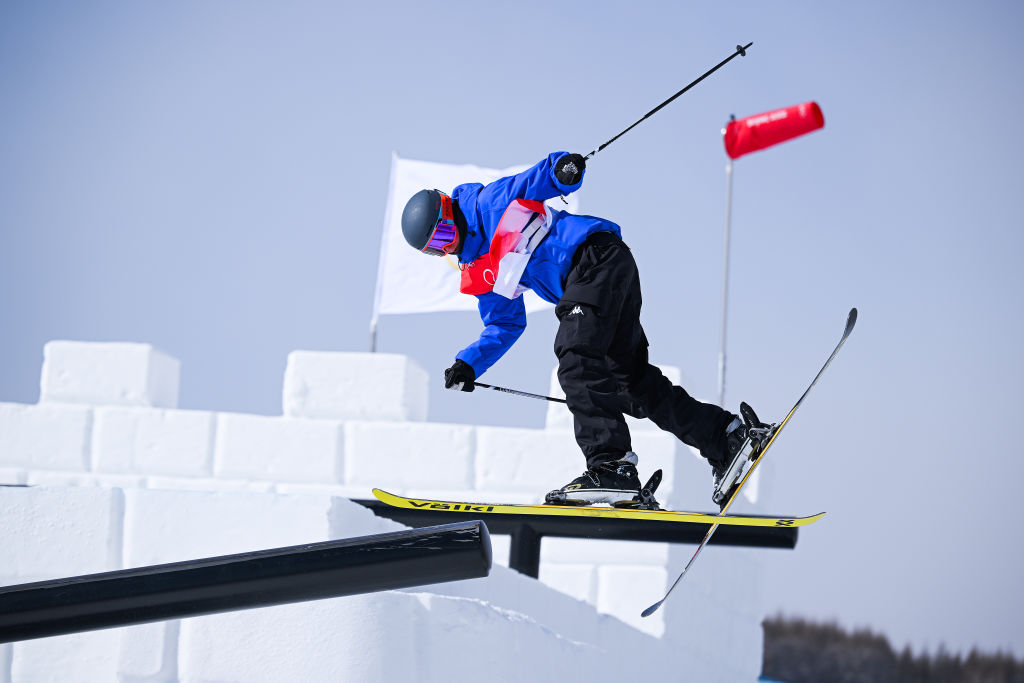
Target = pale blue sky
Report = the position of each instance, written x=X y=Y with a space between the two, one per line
x=211 y=178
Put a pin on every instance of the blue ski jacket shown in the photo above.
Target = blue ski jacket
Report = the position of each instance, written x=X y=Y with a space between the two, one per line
x=483 y=206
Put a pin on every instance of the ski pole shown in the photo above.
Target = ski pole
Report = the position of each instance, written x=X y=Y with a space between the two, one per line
x=741 y=50
x=520 y=393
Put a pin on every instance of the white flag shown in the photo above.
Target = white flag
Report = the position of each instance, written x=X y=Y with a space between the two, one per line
x=411 y=282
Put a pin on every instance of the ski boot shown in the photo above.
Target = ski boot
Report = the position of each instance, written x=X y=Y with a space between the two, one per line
x=615 y=483
x=744 y=440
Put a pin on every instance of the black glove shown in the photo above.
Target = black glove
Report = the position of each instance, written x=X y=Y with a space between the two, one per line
x=569 y=169
x=460 y=377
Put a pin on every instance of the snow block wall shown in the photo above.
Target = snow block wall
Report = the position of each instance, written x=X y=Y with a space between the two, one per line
x=108 y=474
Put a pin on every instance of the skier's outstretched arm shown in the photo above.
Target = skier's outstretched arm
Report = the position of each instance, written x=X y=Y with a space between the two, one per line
x=560 y=173
x=504 y=321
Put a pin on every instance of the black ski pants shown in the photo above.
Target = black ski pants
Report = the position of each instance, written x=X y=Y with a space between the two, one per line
x=603 y=364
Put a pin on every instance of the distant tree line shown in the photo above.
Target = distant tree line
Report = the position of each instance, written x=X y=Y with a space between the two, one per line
x=800 y=651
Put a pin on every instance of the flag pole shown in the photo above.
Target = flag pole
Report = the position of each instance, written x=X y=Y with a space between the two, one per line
x=725 y=279
x=381 y=265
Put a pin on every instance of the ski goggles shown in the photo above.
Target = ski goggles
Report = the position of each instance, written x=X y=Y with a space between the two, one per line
x=445 y=235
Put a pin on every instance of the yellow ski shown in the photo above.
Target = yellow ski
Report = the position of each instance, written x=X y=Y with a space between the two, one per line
x=592 y=511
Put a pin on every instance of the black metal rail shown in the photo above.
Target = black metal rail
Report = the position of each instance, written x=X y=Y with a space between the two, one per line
x=527 y=531
x=428 y=555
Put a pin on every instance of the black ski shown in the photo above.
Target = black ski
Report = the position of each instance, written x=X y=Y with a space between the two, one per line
x=775 y=429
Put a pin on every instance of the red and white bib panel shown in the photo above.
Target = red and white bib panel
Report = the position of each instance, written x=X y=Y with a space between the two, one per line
x=522 y=227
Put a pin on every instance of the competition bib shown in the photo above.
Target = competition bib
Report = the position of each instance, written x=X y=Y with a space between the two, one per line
x=522 y=227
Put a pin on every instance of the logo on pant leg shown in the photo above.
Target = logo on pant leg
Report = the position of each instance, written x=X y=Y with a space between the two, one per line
x=576 y=311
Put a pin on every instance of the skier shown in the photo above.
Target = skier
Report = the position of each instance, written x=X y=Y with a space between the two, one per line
x=508 y=241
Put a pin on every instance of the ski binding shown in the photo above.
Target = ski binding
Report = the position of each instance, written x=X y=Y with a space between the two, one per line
x=644 y=500
x=758 y=434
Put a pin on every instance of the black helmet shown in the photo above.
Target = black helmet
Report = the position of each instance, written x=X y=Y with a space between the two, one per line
x=428 y=222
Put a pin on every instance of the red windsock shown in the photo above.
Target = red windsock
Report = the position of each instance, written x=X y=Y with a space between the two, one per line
x=752 y=133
